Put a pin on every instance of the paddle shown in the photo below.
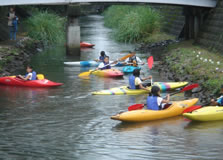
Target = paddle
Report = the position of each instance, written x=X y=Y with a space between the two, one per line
x=150 y=65
x=140 y=106
x=86 y=74
x=193 y=108
x=187 y=88
x=39 y=76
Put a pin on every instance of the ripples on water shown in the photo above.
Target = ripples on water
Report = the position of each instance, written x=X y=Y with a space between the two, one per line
x=69 y=123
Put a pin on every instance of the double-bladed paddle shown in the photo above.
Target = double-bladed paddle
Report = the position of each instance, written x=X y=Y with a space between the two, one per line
x=86 y=74
x=187 y=88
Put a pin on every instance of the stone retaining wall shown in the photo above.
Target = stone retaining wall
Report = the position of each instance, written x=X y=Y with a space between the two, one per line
x=211 y=34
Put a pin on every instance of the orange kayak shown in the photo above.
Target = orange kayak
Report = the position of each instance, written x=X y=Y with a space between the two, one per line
x=86 y=45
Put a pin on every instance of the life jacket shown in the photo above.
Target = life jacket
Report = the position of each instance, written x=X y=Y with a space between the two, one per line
x=132 y=83
x=133 y=60
x=106 y=67
x=152 y=103
x=101 y=58
x=33 y=75
x=220 y=101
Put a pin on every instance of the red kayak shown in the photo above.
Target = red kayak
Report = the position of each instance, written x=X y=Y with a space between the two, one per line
x=10 y=81
x=86 y=45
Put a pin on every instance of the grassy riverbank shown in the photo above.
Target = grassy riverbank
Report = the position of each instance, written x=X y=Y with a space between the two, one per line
x=135 y=23
x=197 y=63
x=46 y=27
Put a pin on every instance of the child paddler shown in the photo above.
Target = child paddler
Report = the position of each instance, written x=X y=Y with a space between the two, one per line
x=155 y=101
x=135 y=82
x=133 y=61
x=30 y=75
x=105 y=64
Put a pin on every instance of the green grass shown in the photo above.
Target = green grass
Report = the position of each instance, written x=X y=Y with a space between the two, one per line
x=46 y=27
x=132 y=23
x=197 y=62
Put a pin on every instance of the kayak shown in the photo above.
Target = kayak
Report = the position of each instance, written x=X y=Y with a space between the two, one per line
x=13 y=81
x=86 y=45
x=129 y=69
x=164 y=86
x=210 y=113
x=108 y=73
x=175 y=109
x=82 y=64
x=87 y=64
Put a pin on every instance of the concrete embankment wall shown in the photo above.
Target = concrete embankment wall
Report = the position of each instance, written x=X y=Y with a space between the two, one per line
x=173 y=18
x=211 y=33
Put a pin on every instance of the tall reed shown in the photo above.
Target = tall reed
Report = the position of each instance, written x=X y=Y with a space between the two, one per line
x=132 y=23
x=46 y=27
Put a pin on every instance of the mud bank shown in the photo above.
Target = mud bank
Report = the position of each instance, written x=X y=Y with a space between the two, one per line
x=15 y=57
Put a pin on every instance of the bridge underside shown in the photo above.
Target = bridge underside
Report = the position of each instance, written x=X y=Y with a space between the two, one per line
x=199 y=3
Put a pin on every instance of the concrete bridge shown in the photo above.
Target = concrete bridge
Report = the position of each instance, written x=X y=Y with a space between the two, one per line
x=194 y=13
x=198 y=3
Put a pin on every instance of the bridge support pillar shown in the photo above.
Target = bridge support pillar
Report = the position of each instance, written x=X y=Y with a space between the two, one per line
x=73 y=30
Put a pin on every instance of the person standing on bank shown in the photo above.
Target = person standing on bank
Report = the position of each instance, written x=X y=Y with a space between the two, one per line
x=12 y=23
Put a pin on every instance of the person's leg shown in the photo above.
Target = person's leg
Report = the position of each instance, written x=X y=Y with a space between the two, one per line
x=146 y=84
x=10 y=32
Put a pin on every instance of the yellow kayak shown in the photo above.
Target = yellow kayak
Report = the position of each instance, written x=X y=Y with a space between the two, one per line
x=175 y=109
x=210 y=113
x=164 y=86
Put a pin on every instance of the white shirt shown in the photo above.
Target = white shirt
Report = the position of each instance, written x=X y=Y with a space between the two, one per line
x=159 y=100
x=31 y=75
x=101 y=65
x=137 y=81
x=137 y=59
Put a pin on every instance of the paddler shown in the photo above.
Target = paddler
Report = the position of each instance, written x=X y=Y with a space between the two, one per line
x=218 y=101
x=155 y=101
x=101 y=57
x=105 y=64
x=133 y=61
x=30 y=75
x=135 y=82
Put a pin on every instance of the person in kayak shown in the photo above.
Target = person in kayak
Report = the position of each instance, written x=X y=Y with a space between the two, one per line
x=155 y=101
x=133 y=61
x=101 y=57
x=30 y=75
x=218 y=101
x=135 y=82
x=105 y=64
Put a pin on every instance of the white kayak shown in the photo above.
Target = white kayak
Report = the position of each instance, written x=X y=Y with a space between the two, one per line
x=86 y=64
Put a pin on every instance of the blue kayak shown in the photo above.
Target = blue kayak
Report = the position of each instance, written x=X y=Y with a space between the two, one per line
x=87 y=64
x=129 y=69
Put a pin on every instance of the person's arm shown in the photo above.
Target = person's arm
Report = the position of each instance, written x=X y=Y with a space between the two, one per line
x=25 y=78
x=167 y=100
x=101 y=65
x=149 y=77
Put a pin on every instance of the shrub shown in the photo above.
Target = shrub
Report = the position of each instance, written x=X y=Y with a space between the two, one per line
x=46 y=27
x=132 y=24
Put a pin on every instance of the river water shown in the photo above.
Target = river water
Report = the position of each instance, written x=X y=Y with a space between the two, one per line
x=69 y=123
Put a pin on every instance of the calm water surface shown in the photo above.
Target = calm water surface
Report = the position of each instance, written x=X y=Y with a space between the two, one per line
x=69 y=123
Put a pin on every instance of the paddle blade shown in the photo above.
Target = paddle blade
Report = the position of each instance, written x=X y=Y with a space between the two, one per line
x=191 y=109
x=150 y=62
x=127 y=56
x=84 y=74
x=135 y=107
x=190 y=87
